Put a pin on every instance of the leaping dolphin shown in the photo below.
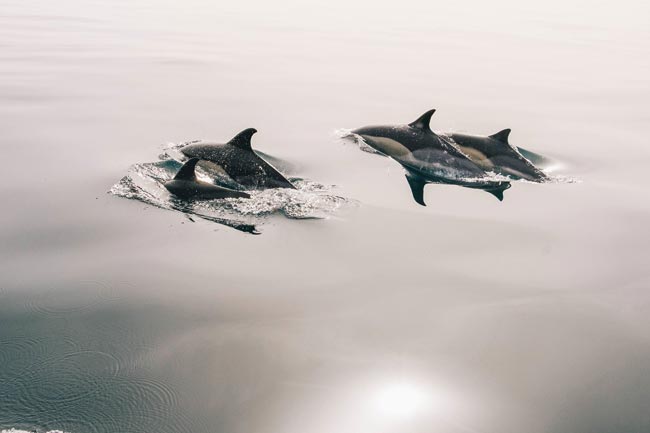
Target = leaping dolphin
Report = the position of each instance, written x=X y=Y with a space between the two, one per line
x=428 y=157
x=494 y=153
x=185 y=185
x=239 y=161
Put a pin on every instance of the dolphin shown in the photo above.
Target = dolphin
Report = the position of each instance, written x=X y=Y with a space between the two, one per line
x=428 y=157
x=239 y=161
x=185 y=185
x=495 y=153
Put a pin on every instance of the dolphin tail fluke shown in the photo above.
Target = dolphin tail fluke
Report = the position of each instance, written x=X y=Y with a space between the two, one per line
x=417 y=187
x=187 y=172
x=498 y=191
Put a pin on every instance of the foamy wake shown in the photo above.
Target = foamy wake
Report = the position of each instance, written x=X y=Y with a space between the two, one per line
x=310 y=200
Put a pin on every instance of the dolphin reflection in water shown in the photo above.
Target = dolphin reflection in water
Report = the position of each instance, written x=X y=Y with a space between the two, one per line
x=457 y=159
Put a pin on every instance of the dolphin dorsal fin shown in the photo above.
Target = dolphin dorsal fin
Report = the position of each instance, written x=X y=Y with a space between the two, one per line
x=187 y=172
x=501 y=136
x=243 y=139
x=423 y=121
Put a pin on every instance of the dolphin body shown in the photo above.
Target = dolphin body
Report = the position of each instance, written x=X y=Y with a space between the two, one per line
x=428 y=157
x=238 y=160
x=494 y=153
x=185 y=185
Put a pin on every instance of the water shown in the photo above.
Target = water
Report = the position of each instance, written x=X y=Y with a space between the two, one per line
x=469 y=315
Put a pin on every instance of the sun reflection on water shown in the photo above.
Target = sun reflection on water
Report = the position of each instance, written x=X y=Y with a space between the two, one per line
x=385 y=404
x=402 y=400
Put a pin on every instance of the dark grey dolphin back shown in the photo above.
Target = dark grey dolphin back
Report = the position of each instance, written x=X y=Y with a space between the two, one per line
x=185 y=185
x=249 y=169
x=238 y=159
x=495 y=153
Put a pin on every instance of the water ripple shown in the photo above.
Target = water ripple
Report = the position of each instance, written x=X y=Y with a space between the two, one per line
x=144 y=404
x=54 y=301
x=17 y=430
x=86 y=391
x=57 y=383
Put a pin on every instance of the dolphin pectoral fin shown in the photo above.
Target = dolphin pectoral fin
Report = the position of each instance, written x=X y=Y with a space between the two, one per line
x=423 y=121
x=417 y=187
x=501 y=136
x=498 y=191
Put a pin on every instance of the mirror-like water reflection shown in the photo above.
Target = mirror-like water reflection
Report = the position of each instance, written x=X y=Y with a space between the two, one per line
x=469 y=315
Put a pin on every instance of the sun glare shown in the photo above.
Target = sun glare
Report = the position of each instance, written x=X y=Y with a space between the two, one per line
x=401 y=400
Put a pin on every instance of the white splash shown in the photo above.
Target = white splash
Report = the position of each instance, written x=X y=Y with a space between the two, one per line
x=310 y=200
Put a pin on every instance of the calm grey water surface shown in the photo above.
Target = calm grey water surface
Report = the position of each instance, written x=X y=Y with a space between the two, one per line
x=470 y=315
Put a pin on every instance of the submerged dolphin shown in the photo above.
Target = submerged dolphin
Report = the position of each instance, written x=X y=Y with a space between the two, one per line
x=185 y=185
x=494 y=153
x=428 y=157
x=238 y=160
